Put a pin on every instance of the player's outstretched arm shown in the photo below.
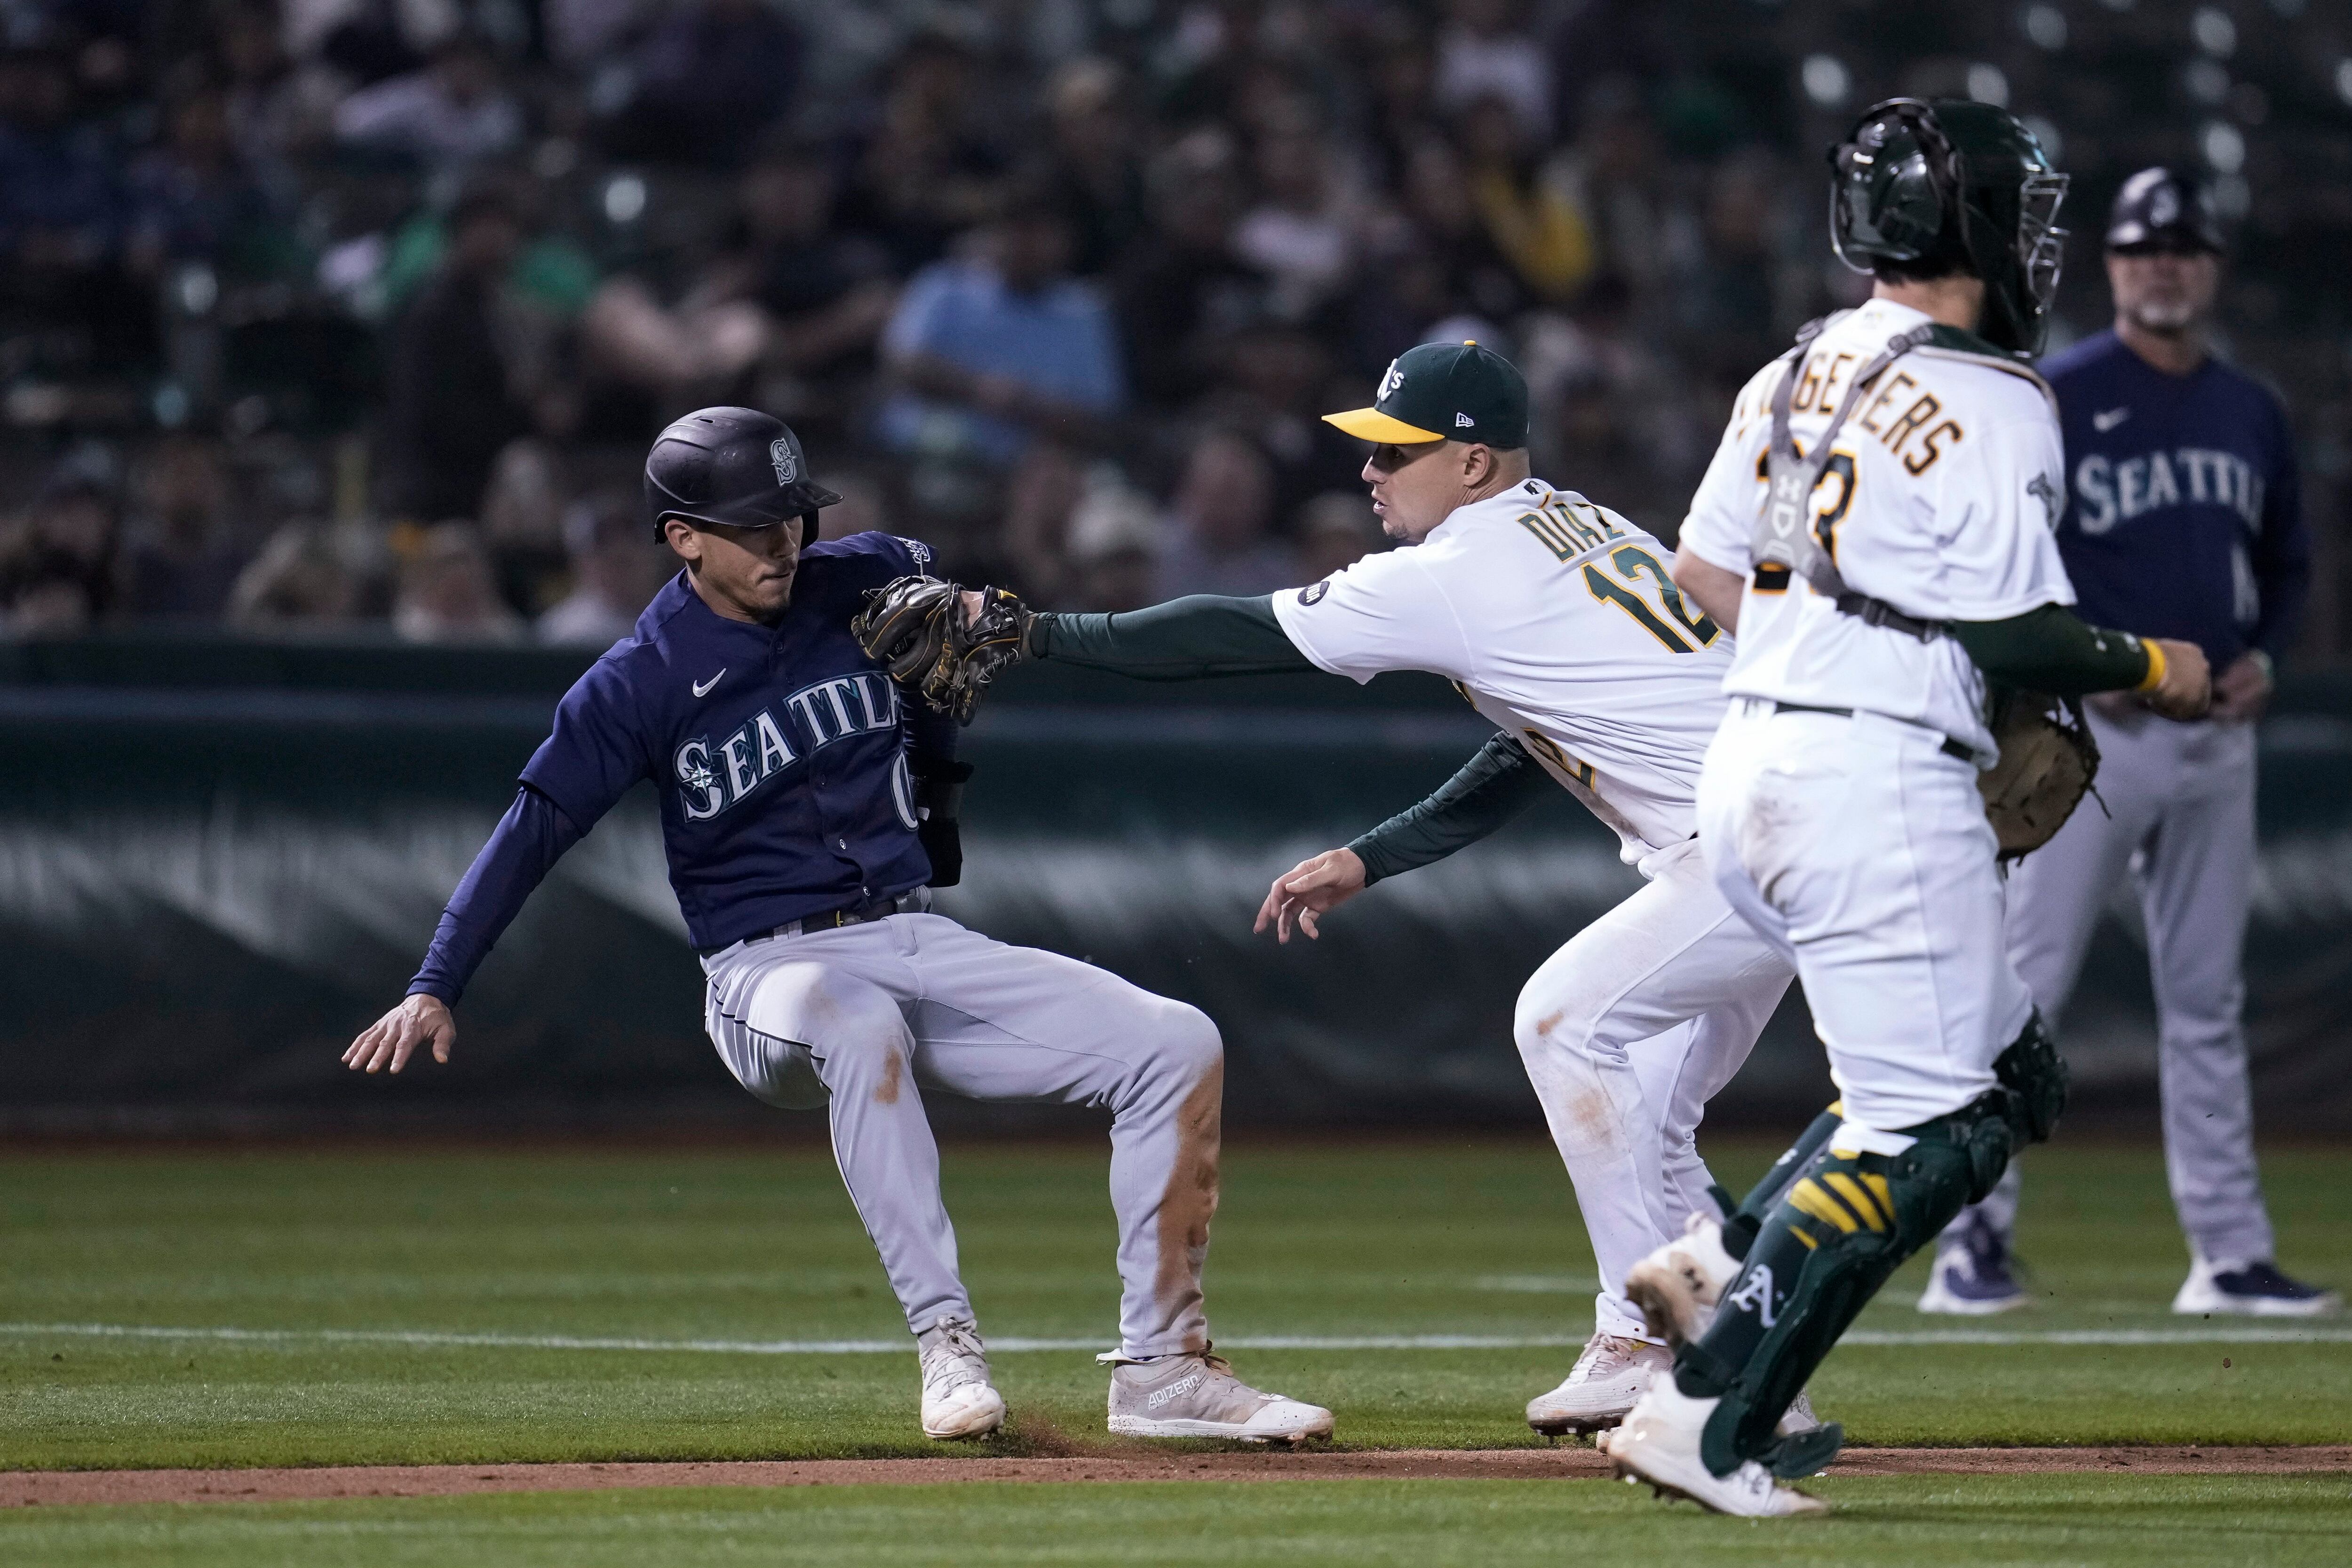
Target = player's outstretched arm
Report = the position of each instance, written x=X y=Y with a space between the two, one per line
x=385 y=1045
x=2051 y=649
x=1311 y=888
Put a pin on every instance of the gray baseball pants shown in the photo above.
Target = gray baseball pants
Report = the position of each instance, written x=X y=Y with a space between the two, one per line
x=2182 y=798
x=862 y=1019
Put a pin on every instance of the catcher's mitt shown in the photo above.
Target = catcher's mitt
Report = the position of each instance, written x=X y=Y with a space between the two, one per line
x=2048 y=761
x=918 y=629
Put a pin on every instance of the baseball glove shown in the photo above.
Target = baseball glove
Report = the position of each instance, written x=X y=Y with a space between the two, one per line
x=919 y=630
x=904 y=625
x=2048 y=761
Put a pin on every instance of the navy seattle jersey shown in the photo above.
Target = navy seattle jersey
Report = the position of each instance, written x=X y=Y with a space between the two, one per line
x=2184 y=514
x=780 y=753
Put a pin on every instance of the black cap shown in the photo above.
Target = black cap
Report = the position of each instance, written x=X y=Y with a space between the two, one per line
x=731 y=466
x=2170 y=208
x=1445 y=392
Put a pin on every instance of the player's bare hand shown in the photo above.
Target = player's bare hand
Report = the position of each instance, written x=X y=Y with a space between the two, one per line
x=2187 y=689
x=2242 y=691
x=388 y=1043
x=1311 y=888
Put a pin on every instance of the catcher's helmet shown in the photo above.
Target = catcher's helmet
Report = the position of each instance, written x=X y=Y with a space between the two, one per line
x=2165 y=209
x=1955 y=184
x=731 y=466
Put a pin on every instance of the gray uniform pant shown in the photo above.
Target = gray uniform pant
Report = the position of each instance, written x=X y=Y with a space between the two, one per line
x=862 y=1019
x=2182 y=798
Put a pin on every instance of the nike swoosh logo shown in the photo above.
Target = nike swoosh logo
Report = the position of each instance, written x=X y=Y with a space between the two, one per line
x=2103 y=422
x=702 y=688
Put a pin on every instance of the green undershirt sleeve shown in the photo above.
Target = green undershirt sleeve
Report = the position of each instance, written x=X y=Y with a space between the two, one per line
x=1183 y=640
x=2053 y=649
x=1494 y=787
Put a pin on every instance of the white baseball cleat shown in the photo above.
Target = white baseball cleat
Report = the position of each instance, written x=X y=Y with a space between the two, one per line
x=1613 y=1372
x=1678 y=1285
x=958 y=1399
x=1196 y=1395
x=2256 y=1289
x=1658 y=1443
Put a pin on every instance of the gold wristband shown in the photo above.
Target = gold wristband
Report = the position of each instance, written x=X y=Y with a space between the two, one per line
x=2154 y=676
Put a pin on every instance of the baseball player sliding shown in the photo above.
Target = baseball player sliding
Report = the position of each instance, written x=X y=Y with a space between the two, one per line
x=1876 y=525
x=2183 y=514
x=804 y=810
x=1556 y=619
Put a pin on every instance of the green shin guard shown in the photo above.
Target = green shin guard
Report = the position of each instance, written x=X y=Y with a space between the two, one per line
x=1743 y=1221
x=1844 y=1228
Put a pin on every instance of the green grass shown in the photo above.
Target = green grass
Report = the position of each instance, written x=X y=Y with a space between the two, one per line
x=2278 y=1522
x=1412 y=1238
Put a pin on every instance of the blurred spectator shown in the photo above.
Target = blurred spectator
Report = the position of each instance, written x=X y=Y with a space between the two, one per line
x=193 y=198
x=709 y=78
x=62 y=217
x=1112 y=547
x=1307 y=229
x=1096 y=177
x=305 y=579
x=1277 y=387
x=1044 y=490
x=454 y=113
x=1218 y=539
x=449 y=593
x=1337 y=530
x=861 y=508
x=58 y=562
x=180 y=562
x=934 y=167
x=1482 y=55
x=278 y=113
x=1527 y=206
x=989 y=351
x=1182 y=295
x=452 y=401
x=617 y=567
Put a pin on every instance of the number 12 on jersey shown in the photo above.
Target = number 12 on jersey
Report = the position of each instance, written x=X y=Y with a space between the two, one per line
x=1622 y=588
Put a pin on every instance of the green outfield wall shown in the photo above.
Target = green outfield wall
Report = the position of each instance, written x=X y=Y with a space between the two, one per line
x=218 y=859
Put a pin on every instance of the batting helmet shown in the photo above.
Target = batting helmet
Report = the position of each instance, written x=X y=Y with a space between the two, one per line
x=2164 y=209
x=1960 y=186
x=735 y=466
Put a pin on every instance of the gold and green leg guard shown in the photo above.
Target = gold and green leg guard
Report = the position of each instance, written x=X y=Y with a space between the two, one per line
x=1744 y=1220
x=1846 y=1224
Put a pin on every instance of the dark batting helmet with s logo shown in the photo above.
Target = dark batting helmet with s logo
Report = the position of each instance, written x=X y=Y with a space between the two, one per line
x=733 y=466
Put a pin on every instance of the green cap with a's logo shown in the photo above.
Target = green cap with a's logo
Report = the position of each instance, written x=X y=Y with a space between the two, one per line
x=1445 y=392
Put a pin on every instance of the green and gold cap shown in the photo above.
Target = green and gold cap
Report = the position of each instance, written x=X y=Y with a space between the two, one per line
x=1445 y=392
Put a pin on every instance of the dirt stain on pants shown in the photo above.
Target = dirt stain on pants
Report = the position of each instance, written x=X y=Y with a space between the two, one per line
x=894 y=1072
x=1191 y=1200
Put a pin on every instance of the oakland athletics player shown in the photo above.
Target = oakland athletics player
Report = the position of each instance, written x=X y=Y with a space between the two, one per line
x=804 y=807
x=1878 y=524
x=1555 y=617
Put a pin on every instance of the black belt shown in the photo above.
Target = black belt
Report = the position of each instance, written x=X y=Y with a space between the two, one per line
x=911 y=903
x=1879 y=612
x=1951 y=748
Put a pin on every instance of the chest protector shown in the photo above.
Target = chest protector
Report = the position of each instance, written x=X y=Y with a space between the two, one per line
x=1783 y=538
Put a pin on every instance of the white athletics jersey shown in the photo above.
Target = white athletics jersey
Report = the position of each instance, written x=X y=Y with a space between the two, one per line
x=1943 y=488
x=1556 y=619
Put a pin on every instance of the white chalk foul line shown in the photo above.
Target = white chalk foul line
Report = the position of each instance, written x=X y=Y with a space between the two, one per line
x=2249 y=1333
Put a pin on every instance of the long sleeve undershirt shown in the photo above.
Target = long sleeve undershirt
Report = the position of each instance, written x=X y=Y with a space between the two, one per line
x=2052 y=650
x=1496 y=785
x=528 y=840
x=1183 y=640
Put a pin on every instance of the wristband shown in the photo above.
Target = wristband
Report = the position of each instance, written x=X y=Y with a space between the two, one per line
x=2265 y=663
x=2154 y=676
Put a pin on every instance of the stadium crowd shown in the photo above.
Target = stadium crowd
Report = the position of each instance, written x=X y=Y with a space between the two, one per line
x=337 y=313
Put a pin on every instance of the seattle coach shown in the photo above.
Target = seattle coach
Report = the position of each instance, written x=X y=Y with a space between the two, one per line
x=2182 y=518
